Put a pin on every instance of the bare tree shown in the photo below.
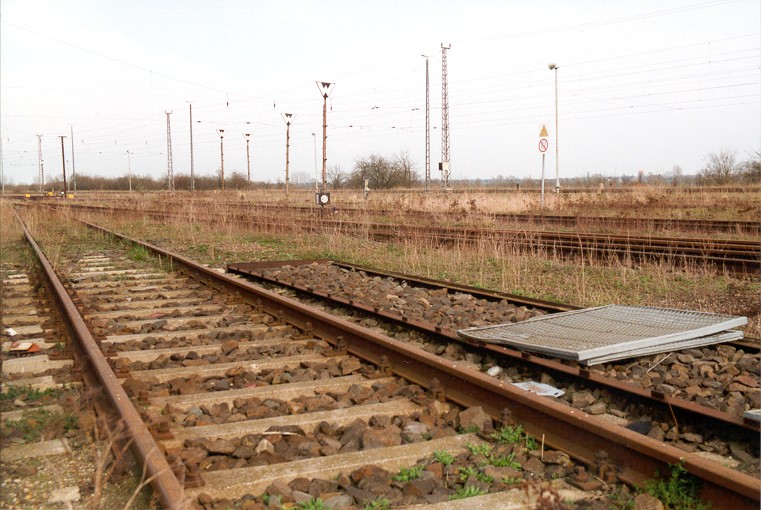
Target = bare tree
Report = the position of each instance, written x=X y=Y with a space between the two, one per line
x=750 y=170
x=382 y=172
x=404 y=163
x=720 y=167
x=677 y=175
x=336 y=177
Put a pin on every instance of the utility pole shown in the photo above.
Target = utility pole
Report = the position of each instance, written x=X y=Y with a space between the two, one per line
x=325 y=89
x=288 y=118
x=248 y=159
x=222 y=157
x=427 y=127
x=129 y=171
x=192 y=169
x=63 y=164
x=73 y=168
x=41 y=177
x=444 y=165
x=169 y=168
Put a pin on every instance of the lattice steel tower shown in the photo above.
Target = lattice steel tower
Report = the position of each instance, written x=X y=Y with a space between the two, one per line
x=444 y=165
x=169 y=168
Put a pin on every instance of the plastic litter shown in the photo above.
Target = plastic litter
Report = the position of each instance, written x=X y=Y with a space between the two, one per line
x=541 y=389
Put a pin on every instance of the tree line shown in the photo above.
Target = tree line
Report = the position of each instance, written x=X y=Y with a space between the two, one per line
x=388 y=172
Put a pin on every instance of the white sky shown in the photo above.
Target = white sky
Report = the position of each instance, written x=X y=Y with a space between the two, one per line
x=643 y=85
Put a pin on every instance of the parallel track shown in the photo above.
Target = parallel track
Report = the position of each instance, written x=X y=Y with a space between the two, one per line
x=636 y=457
x=708 y=417
x=732 y=255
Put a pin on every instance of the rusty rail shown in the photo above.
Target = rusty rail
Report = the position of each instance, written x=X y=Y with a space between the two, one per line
x=735 y=255
x=636 y=458
x=143 y=446
x=735 y=423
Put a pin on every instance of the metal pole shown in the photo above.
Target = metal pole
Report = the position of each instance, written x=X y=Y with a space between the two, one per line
x=73 y=168
x=192 y=169
x=325 y=89
x=427 y=127
x=248 y=159
x=129 y=171
x=324 y=140
x=287 y=154
x=543 y=180
x=41 y=176
x=63 y=164
x=222 y=156
x=287 y=118
x=557 y=143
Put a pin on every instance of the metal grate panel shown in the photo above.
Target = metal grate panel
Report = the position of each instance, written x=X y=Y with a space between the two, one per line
x=613 y=330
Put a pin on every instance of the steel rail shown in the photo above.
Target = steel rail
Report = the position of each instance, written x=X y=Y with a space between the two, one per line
x=637 y=458
x=144 y=447
x=703 y=414
x=752 y=227
x=634 y=223
x=744 y=255
x=548 y=306
x=678 y=244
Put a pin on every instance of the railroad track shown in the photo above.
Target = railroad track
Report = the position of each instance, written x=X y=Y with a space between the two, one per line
x=738 y=256
x=583 y=223
x=208 y=359
x=330 y=281
x=575 y=222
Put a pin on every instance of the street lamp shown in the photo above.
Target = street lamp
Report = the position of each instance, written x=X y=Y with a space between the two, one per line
x=222 y=156
x=554 y=67
x=288 y=118
x=248 y=159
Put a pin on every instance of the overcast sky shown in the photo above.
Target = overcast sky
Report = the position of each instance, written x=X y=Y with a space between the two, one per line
x=642 y=85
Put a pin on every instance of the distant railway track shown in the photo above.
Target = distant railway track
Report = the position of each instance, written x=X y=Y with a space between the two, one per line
x=621 y=224
x=192 y=347
x=737 y=256
x=574 y=222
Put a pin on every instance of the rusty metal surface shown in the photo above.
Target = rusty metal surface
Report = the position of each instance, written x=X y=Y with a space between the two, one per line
x=163 y=481
x=251 y=267
x=652 y=397
x=637 y=457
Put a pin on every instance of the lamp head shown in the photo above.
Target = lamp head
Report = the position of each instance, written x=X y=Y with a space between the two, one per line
x=552 y=66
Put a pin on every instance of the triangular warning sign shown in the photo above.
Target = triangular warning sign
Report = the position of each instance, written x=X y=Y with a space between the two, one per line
x=543 y=132
x=325 y=88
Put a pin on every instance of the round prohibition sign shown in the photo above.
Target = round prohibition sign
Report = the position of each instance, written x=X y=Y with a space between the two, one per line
x=543 y=144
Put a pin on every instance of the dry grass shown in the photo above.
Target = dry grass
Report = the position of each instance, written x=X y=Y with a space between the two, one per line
x=660 y=202
x=489 y=263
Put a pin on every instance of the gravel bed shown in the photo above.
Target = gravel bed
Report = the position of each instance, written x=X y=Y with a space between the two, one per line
x=239 y=377
x=720 y=377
